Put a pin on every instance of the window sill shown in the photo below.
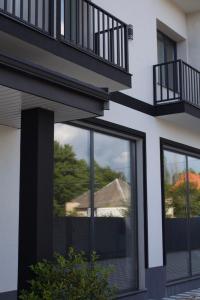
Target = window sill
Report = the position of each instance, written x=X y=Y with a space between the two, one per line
x=123 y=295
x=179 y=281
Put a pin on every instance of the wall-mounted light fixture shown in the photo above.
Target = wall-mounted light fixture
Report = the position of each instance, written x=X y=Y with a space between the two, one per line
x=130 y=32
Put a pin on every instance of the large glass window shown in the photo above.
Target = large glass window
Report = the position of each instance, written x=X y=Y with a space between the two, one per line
x=94 y=199
x=71 y=181
x=182 y=213
x=194 y=188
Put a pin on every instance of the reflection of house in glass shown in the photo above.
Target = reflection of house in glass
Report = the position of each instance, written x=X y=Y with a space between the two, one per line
x=177 y=193
x=193 y=178
x=110 y=201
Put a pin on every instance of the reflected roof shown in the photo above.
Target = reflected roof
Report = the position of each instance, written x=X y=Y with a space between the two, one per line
x=114 y=194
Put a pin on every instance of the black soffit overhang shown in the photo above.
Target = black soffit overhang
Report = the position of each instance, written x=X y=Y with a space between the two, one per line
x=42 y=82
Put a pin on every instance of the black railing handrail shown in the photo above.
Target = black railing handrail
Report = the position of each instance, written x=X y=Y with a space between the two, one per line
x=105 y=12
x=189 y=66
x=176 y=81
x=176 y=61
x=168 y=63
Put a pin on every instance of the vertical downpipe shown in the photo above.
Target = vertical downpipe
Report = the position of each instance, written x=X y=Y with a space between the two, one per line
x=180 y=80
x=154 y=86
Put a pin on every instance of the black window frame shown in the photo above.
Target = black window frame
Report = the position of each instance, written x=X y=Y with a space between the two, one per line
x=93 y=127
x=187 y=151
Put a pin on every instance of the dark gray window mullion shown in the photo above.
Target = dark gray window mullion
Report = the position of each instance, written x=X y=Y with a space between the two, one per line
x=134 y=207
x=165 y=49
x=188 y=216
x=92 y=190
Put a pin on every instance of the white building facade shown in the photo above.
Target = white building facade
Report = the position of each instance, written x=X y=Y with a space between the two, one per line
x=87 y=99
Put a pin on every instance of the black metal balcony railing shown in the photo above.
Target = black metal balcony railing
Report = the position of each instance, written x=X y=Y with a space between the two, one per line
x=90 y=27
x=35 y=13
x=176 y=81
x=80 y=23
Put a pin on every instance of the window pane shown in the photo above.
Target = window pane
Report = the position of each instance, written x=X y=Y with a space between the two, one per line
x=176 y=215
x=161 y=58
x=194 y=184
x=1 y=4
x=170 y=50
x=161 y=49
x=71 y=189
x=113 y=210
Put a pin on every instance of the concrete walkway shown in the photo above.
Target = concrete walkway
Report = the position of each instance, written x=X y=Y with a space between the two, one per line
x=192 y=295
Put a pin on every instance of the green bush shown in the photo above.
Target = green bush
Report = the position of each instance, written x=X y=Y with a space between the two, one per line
x=70 y=278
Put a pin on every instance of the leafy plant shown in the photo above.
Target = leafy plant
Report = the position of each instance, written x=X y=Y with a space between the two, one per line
x=70 y=278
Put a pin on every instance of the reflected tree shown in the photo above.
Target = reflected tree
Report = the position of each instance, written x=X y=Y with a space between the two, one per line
x=176 y=194
x=71 y=176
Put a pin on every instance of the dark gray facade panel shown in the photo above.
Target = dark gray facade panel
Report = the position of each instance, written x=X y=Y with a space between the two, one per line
x=8 y=295
x=155 y=110
x=155 y=282
x=133 y=103
x=36 y=191
x=177 y=108
x=43 y=83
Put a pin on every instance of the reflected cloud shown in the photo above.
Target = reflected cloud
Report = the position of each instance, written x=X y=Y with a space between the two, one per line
x=109 y=151
x=122 y=158
x=65 y=134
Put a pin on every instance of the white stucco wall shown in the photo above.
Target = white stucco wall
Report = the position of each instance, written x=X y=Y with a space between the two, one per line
x=193 y=21
x=9 y=207
x=154 y=129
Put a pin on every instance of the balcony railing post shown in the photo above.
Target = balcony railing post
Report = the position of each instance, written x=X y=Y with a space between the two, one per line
x=51 y=17
x=58 y=19
x=154 y=85
x=126 y=48
x=180 y=80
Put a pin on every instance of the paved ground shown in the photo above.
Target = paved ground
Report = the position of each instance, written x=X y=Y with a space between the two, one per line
x=192 y=295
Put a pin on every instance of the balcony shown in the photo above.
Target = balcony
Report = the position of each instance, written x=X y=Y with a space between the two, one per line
x=176 y=81
x=83 y=35
x=177 y=92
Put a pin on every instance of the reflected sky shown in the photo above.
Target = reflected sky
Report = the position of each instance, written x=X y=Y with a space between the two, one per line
x=194 y=164
x=112 y=152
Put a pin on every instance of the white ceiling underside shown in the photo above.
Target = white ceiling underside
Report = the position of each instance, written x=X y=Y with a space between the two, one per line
x=189 y=6
x=183 y=120
x=12 y=102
